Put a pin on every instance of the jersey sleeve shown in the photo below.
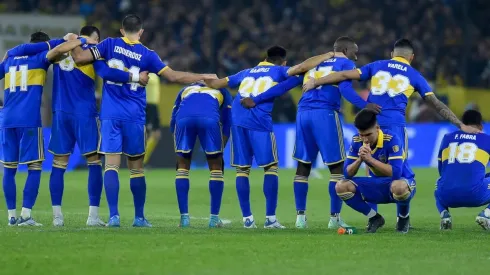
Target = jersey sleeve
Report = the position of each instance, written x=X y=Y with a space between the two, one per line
x=366 y=71
x=53 y=43
x=2 y=70
x=32 y=48
x=350 y=94
x=279 y=89
x=178 y=100
x=43 y=58
x=439 y=154
x=422 y=86
x=284 y=71
x=353 y=154
x=225 y=113
x=105 y=72
x=101 y=50
x=396 y=157
x=155 y=63
x=235 y=80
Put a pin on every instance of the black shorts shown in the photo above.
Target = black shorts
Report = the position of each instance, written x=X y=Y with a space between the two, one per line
x=152 y=117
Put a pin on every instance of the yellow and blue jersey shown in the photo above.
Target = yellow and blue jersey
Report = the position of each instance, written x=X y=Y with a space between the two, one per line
x=197 y=100
x=251 y=83
x=329 y=96
x=24 y=81
x=393 y=81
x=126 y=101
x=388 y=150
x=463 y=159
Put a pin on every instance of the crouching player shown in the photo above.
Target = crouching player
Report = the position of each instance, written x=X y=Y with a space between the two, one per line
x=390 y=181
x=463 y=183
x=204 y=113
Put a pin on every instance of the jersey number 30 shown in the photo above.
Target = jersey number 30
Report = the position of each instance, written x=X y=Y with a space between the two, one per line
x=463 y=153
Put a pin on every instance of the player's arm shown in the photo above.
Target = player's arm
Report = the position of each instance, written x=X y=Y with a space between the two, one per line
x=178 y=100
x=332 y=78
x=232 y=81
x=353 y=161
x=350 y=94
x=184 y=77
x=84 y=57
x=384 y=169
x=59 y=50
x=439 y=155
x=225 y=115
x=279 y=89
x=447 y=114
x=396 y=158
x=309 y=64
x=114 y=75
x=34 y=48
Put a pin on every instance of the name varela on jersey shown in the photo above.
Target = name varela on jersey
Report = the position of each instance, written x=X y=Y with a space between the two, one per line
x=465 y=136
x=259 y=70
x=127 y=53
x=397 y=66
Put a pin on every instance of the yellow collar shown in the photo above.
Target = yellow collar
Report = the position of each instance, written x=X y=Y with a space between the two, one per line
x=265 y=63
x=380 y=139
x=127 y=41
x=84 y=36
x=401 y=59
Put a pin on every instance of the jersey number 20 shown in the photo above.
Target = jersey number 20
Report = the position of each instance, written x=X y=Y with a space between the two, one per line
x=463 y=153
x=254 y=86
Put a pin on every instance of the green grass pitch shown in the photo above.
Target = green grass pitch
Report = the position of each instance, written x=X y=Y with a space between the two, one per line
x=167 y=249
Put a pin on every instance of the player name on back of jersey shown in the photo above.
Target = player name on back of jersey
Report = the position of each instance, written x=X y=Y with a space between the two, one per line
x=259 y=70
x=397 y=66
x=465 y=136
x=21 y=57
x=127 y=53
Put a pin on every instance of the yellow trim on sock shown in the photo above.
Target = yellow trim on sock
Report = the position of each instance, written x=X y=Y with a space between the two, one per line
x=242 y=175
x=136 y=176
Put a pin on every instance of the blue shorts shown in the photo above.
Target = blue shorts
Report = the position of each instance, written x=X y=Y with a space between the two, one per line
x=474 y=195
x=22 y=145
x=122 y=137
x=247 y=144
x=69 y=129
x=401 y=133
x=378 y=190
x=207 y=129
x=319 y=131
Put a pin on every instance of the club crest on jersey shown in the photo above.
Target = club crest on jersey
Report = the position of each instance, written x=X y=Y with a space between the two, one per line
x=396 y=149
x=382 y=158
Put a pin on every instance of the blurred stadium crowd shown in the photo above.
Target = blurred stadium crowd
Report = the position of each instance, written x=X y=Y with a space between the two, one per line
x=452 y=37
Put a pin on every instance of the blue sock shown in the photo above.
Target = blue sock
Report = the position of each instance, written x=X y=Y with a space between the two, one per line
x=138 y=188
x=182 y=188
x=32 y=185
x=300 y=193
x=403 y=204
x=271 y=186
x=57 y=182
x=335 y=201
x=95 y=182
x=216 y=185
x=243 y=190
x=374 y=206
x=439 y=205
x=355 y=201
x=9 y=188
x=111 y=184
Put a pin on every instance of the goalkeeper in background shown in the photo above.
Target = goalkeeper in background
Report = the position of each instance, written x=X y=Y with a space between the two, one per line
x=152 y=116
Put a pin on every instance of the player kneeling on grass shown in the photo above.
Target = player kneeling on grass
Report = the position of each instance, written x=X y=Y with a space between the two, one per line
x=463 y=183
x=390 y=181
x=204 y=113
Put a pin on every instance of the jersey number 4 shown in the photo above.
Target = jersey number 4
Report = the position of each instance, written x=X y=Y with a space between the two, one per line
x=14 y=78
x=119 y=64
x=463 y=153
x=383 y=82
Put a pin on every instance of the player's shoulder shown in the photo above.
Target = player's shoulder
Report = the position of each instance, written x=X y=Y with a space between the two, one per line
x=356 y=139
x=389 y=136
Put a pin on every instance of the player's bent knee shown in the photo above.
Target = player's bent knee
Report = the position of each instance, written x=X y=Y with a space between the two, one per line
x=343 y=186
x=400 y=190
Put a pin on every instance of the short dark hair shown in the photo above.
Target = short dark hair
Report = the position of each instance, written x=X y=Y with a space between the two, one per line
x=132 y=23
x=276 y=54
x=365 y=119
x=342 y=43
x=39 y=36
x=472 y=117
x=403 y=44
x=89 y=30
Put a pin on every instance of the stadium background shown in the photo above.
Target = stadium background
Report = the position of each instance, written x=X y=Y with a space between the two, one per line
x=452 y=39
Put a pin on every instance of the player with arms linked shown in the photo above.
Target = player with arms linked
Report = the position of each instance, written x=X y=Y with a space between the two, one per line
x=391 y=179
x=75 y=120
x=123 y=111
x=22 y=139
x=251 y=130
x=204 y=113
x=462 y=161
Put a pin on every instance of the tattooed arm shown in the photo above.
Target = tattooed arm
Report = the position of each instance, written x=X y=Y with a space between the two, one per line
x=447 y=114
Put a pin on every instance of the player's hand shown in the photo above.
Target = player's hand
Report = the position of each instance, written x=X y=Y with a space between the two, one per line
x=247 y=102
x=91 y=41
x=470 y=129
x=144 y=78
x=309 y=85
x=374 y=107
x=209 y=76
x=70 y=36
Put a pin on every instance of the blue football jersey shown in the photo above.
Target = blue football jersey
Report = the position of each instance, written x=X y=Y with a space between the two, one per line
x=24 y=81
x=326 y=96
x=463 y=159
x=126 y=101
x=252 y=82
x=387 y=150
x=393 y=81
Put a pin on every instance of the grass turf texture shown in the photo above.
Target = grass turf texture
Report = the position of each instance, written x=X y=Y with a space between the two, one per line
x=167 y=249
